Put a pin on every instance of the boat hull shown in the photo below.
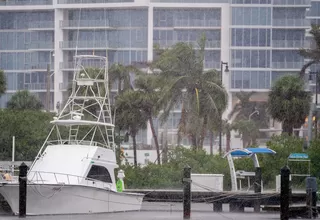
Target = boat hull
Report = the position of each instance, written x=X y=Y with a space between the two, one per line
x=52 y=199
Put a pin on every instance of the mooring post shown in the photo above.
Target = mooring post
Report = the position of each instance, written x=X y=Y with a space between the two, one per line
x=257 y=189
x=186 y=192
x=284 y=194
x=23 y=169
x=311 y=189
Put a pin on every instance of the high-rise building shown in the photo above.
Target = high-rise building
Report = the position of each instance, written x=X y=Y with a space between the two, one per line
x=258 y=38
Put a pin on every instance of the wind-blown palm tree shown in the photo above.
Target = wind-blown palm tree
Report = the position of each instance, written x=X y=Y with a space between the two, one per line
x=244 y=107
x=121 y=74
x=130 y=117
x=148 y=96
x=311 y=53
x=289 y=103
x=201 y=93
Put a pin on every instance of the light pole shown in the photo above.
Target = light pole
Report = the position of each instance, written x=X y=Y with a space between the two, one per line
x=220 y=130
x=48 y=81
x=316 y=104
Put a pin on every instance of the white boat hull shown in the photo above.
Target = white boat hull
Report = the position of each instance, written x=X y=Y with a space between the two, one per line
x=52 y=199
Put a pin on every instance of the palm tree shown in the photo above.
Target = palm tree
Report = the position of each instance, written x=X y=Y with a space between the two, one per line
x=227 y=128
x=149 y=95
x=121 y=74
x=289 y=103
x=244 y=107
x=248 y=130
x=311 y=53
x=130 y=117
x=185 y=81
x=23 y=100
x=3 y=83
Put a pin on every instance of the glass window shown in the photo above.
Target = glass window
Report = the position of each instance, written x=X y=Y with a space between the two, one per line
x=99 y=173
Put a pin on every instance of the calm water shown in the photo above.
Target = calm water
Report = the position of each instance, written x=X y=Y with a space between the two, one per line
x=161 y=211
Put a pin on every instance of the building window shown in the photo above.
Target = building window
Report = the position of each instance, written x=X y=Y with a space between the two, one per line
x=99 y=173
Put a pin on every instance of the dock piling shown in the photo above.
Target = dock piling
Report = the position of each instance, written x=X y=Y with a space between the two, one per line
x=186 y=192
x=23 y=169
x=284 y=193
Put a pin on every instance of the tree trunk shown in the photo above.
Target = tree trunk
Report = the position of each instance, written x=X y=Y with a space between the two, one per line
x=155 y=138
x=119 y=86
x=228 y=140
x=193 y=141
x=203 y=132
x=134 y=142
x=287 y=127
x=211 y=143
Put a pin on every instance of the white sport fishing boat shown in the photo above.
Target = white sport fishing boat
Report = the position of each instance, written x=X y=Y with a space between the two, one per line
x=73 y=172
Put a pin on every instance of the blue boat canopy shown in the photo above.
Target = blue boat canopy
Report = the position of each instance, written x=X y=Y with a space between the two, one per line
x=249 y=151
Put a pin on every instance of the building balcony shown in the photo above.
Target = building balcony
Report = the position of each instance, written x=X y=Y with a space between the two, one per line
x=41 y=46
x=211 y=65
x=287 y=44
x=287 y=65
x=30 y=2
x=70 y=45
x=38 y=86
x=65 y=86
x=290 y=23
x=91 y=1
x=197 y=23
x=41 y=66
x=69 y=24
x=293 y=3
x=42 y=25
x=170 y=43
x=67 y=66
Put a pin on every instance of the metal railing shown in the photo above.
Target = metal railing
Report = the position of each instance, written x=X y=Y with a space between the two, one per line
x=65 y=179
x=287 y=65
x=197 y=23
x=291 y=22
x=41 y=45
x=288 y=43
x=30 y=2
x=91 y=1
x=41 y=66
x=170 y=43
x=85 y=64
x=101 y=44
x=41 y=25
x=84 y=23
x=37 y=86
x=292 y=2
x=78 y=142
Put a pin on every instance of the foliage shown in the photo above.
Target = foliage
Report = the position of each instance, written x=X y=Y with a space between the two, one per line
x=289 y=103
x=184 y=81
x=313 y=54
x=248 y=130
x=283 y=145
x=148 y=102
x=243 y=111
x=3 y=83
x=130 y=117
x=314 y=154
x=169 y=175
x=30 y=129
x=23 y=100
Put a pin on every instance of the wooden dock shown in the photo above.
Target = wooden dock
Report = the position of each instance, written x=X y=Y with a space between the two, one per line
x=237 y=200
